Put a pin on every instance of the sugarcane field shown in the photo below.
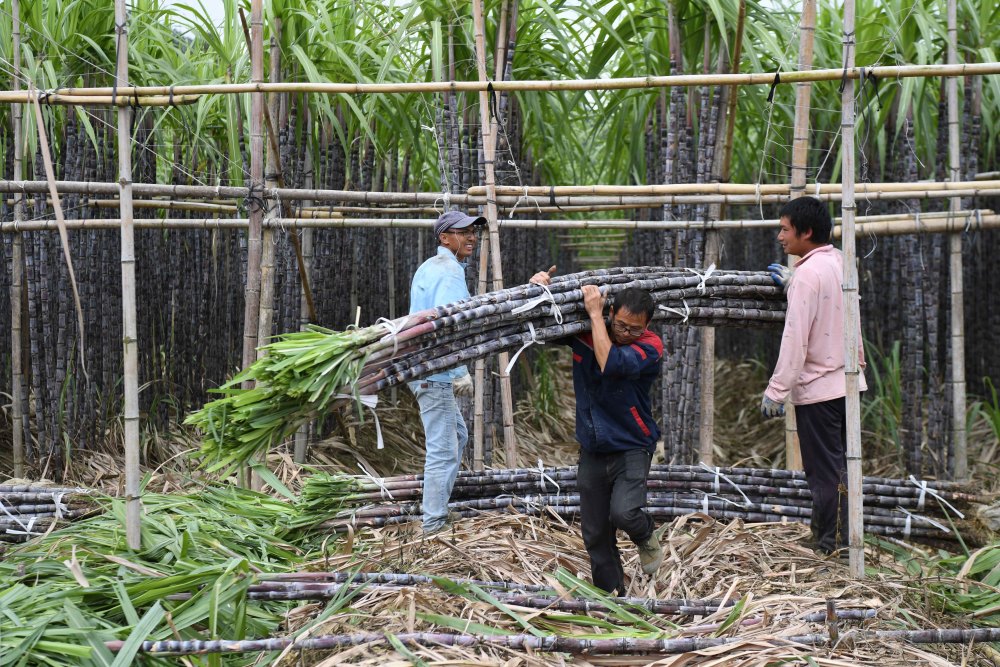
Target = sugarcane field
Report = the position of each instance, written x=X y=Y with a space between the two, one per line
x=505 y=332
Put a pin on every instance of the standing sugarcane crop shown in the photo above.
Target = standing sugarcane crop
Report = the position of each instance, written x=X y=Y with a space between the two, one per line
x=811 y=365
x=441 y=280
x=614 y=367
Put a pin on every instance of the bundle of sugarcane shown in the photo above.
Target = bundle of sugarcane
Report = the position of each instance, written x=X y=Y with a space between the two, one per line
x=907 y=509
x=29 y=510
x=303 y=373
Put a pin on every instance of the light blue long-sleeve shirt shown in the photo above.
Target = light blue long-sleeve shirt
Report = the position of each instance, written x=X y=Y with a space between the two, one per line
x=439 y=280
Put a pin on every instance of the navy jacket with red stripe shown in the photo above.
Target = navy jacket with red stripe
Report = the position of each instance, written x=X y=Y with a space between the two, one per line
x=613 y=410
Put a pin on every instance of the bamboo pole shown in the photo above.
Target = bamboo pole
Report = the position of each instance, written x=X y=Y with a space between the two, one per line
x=130 y=380
x=123 y=99
x=800 y=161
x=489 y=132
x=958 y=433
x=705 y=193
x=884 y=225
x=545 y=191
x=18 y=414
x=255 y=85
x=720 y=173
x=251 y=312
x=305 y=311
x=852 y=318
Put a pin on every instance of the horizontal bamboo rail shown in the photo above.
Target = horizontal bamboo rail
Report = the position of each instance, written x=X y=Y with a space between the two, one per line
x=723 y=188
x=919 y=191
x=86 y=99
x=878 y=225
x=625 y=83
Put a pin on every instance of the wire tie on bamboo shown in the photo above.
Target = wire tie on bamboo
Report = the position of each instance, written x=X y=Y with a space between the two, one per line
x=525 y=197
x=370 y=401
x=533 y=340
x=715 y=484
x=924 y=489
x=703 y=276
x=684 y=315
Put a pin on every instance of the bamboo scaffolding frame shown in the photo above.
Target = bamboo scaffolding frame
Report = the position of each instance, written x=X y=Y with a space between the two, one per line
x=19 y=416
x=958 y=399
x=120 y=100
x=852 y=309
x=878 y=225
x=723 y=188
x=625 y=83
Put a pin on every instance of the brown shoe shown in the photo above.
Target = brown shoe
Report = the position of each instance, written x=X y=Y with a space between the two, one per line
x=650 y=554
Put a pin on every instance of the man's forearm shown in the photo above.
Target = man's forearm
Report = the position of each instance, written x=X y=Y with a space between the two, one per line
x=602 y=343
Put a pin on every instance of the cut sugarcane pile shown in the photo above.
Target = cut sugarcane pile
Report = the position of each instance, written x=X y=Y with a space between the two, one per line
x=27 y=511
x=929 y=512
x=303 y=373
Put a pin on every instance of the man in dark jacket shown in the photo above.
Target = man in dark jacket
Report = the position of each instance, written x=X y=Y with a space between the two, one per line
x=614 y=368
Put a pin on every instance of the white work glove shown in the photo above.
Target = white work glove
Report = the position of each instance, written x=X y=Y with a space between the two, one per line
x=781 y=275
x=463 y=386
x=770 y=408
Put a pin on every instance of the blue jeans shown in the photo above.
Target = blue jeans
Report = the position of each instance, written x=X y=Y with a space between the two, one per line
x=446 y=436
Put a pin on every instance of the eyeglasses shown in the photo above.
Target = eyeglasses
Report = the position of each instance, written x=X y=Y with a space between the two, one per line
x=463 y=232
x=627 y=331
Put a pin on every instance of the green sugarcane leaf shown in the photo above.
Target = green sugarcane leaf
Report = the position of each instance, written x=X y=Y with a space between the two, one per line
x=462 y=625
x=733 y=617
x=405 y=652
x=100 y=654
x=517 y=618
x=138 y=635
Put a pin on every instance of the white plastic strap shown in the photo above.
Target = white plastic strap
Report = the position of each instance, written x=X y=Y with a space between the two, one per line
x=542 y=476
x=379 y=482
x=906 y=527
x=921 y=518
x=370 y=401
x=922 y=485
x=525 y=197
x=27 y=529
x=60 y=507
x=718 y=473
x=704 y=503
x=534 y=340
x=546 y=296
x=683 y=315
x=393 y=327
x=704 y=276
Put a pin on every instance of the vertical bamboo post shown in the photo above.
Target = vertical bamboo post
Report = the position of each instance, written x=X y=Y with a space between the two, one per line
x=720 y=174
x=852 y=318
x=302 y=435
x=958 y=434
x=255 y=205
x=17 y=265
x=489 y=153
x=265 y=323
x=800 y=162
x=133 y=507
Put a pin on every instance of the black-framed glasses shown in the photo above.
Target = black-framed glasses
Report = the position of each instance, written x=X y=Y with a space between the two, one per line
x=627 y=331
x=471 y=231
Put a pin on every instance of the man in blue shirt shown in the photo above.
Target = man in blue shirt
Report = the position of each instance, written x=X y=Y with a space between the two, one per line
x=441 y=280
x=614 y=367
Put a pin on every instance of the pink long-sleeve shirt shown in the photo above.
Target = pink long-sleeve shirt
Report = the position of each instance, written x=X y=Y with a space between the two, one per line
x=811 y=361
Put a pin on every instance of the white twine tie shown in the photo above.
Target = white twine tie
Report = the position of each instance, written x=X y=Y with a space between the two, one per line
x=909 y=516
x=704 y=276
x=27 y=529
x=534 y=340
x=393 y=327
x=924 y=489
x=718 y=473
x=546 y=296
x=370 y=401
x=542 y=476
x=683 y=315
x=379 y=482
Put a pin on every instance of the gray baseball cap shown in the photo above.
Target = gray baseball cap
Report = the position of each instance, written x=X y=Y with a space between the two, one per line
x=456 y=220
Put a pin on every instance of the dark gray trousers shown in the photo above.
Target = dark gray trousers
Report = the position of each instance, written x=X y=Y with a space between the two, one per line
x=823 y=440
x=612 y=497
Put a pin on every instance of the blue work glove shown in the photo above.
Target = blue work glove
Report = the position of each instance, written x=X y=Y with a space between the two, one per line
x=770 y=409
x=781 y=275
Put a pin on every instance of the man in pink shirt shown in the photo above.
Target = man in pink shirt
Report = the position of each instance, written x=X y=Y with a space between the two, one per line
x=810 y=366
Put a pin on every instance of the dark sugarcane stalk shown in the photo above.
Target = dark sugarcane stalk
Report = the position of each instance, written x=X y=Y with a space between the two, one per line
x=554 y=644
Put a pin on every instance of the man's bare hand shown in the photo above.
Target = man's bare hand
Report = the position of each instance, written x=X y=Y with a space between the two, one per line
x=593 y=300
x=543 y=277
